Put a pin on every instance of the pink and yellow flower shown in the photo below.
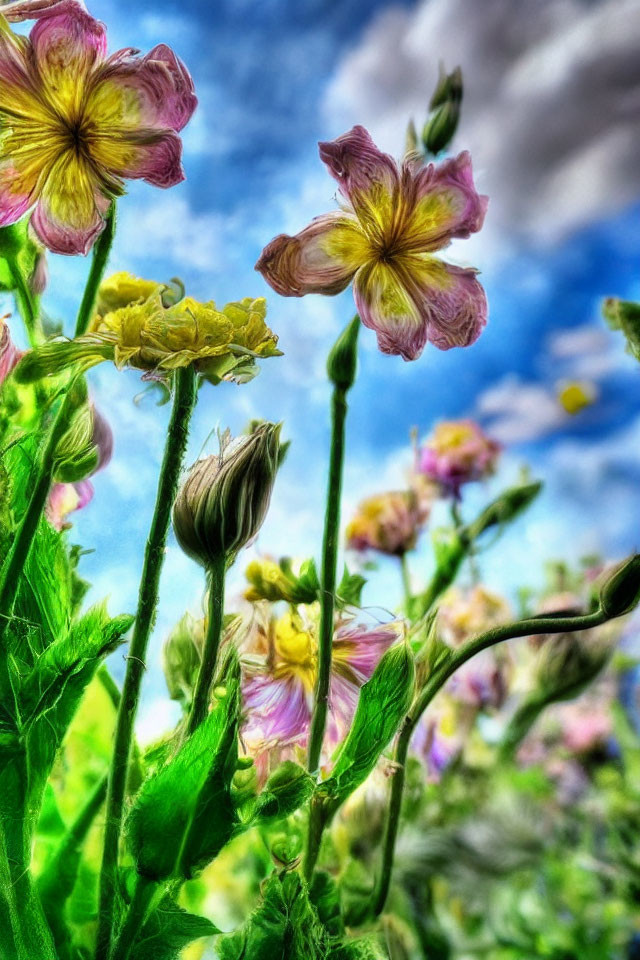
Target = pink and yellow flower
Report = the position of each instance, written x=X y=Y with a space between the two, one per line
x=457 y=452
x=388 y=522
x=75 y=123
x=280 y=673
x=393 y=218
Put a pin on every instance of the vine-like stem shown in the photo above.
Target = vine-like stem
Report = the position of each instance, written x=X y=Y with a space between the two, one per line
x=523 y=628
x=19 y=551
x=183 y=404
x=328 y=579
x=206 y=674
x=101 y=251
x=143 y=894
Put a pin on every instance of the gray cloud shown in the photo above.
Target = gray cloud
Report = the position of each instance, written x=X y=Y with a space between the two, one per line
x=552 y=100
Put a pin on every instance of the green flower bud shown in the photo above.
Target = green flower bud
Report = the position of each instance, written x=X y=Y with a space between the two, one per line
x=568 y=662
x=505 y=508
x=624 y=315
x=87 y=444
x=342 y=362
x=621 y=591
x=181 y=656
x=224 y=499
x=441 y=125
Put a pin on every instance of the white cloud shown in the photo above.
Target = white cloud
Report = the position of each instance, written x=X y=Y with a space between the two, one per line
x=552 y=91
x=520 y=412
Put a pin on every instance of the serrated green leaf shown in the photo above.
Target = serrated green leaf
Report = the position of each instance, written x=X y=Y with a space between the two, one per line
x=382 y=705
x=167 y=930
x=284 y=926
x=184 y=813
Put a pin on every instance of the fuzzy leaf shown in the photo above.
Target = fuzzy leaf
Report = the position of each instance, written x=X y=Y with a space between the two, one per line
x=167 y=930
x=184 y=814
x=284 y=926
x=383 y=702
x=286 y=790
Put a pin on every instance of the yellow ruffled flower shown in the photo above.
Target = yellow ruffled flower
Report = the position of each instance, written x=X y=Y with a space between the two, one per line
x=142 y=326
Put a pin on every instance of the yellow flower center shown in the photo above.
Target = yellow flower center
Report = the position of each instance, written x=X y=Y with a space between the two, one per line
x=295 y=651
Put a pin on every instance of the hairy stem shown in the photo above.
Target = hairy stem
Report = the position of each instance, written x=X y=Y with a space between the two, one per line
x=328 y=579
x=101 y=251
x=183 y=404
x=206 y=674
x=143 y=894
x=19 y=551
x=26 y=302
x=522 y=628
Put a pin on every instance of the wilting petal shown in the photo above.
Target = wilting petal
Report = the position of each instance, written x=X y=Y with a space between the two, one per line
x=19 y=10
x=70 y=211
x=66 y=47
x=322 y=258
x=368 y=178
x=277 y=709
x=420 y=299
x=445 y=204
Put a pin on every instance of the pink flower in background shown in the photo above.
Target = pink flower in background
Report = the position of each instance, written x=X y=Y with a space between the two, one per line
x=9 y=353
x=392 y=219
x=66 y=498
x=388 y=522
x=280 y=672
x=77 y=123
x=457 y=452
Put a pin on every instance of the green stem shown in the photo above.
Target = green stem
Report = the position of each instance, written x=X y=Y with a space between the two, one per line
x=26 y=302
x=143 y=894
x=406 y=581
x=328 y=580
x=19 y=551
x=520 y=725
x=206 y=674
x=523 y=628
x=101 y=251
x=183 y=404
x=318 y=819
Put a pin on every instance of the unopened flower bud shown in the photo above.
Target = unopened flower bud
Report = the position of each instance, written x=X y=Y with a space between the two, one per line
x=441 y=125
x=624 y=315
x=224 y=499
x=620 y=593
x=85 y=447
x=181 y=657
x=568 y=662
x=505 y=508
x=342 y=362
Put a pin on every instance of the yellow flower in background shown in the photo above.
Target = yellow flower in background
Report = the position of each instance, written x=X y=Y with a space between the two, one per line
x=575 y=396
x=143 y=326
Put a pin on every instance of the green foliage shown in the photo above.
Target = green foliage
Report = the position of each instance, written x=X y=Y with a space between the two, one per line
x=383 y=702
x=167 y=930
x=287 y=789
x=284 y=926
x=349 y=590
x=184 y=814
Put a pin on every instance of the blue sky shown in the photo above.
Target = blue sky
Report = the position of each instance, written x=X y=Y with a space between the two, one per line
x=549 y=118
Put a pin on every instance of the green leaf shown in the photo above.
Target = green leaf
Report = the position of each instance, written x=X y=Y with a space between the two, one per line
x=167 y=930
x=286 y=790
x=362 y=948
x=87 y=641
x=284 y=926
x=382 y=705
x=325 y=897
x=349 y=590
x=184 y=814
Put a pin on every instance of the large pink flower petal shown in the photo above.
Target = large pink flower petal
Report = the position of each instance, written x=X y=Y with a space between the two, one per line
x=445 y=204
x=154 y=92
x=19 y=10
x=322 y=258
x=357 y=649
x=70 y=212
x=66 y=48
x=277 y=710
x=420 y=299
x=140 y=155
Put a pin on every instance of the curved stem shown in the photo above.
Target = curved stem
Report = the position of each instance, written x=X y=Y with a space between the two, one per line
x=406 y=581
x=520 y=725
x=26 y=302
x=523 y=628
x=183 y=404
x=206 y=674
x=101 y=251
x=328 y=580
x=19 y=551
